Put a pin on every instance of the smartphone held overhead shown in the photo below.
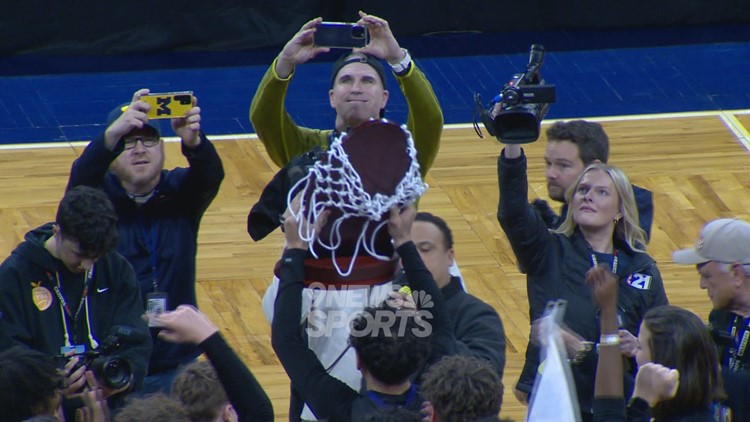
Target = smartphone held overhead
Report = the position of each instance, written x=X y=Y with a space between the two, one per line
x=340 y=35
x=168 y=105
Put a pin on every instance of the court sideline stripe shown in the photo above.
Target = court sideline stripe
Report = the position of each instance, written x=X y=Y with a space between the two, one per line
x=727 y=116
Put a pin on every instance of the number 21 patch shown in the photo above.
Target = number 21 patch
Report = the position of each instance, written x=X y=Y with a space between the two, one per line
x=639 y=281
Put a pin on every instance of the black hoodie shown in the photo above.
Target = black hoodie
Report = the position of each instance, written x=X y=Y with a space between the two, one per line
x=31 y=314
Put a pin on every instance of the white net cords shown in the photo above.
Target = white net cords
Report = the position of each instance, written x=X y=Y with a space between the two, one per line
x=347 y=194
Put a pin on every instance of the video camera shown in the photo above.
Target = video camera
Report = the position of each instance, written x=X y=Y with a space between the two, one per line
x=109 y=368
x=524 y=102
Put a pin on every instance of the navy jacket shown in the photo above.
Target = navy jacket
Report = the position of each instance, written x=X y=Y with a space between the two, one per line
x=556 y=268
x=164 y=229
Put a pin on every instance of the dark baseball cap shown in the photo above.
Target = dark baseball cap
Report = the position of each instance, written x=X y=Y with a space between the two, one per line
x=350 y=58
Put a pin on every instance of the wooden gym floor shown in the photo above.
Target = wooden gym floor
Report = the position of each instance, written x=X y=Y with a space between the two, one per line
x=694 y=163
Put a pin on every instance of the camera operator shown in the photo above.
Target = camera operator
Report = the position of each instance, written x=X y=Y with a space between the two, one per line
x=64 y=289
x=571 y=146
x=722 y=258
x=514 y=116
x=600 y=228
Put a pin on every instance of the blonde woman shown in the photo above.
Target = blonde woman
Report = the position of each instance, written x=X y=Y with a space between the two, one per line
x=600 y=227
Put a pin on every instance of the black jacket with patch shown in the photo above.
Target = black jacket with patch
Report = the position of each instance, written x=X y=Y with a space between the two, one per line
x=31 y=314
x=556 y=267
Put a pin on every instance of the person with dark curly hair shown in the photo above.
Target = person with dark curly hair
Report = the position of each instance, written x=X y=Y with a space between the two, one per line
x=392 y=341
x=29 y=384
x=463 y=389
x=64 y=291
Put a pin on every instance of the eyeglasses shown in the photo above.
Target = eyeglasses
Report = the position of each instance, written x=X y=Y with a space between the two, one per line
x=147 y=142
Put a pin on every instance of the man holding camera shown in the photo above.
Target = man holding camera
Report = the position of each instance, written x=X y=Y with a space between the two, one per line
x=65 y=290
x=571 y=146
x=722 y=257
x=159 y=211
x=358 y=93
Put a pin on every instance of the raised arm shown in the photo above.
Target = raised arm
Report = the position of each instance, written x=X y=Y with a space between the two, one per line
x=427 y=295
x=425 y=117
x=526 y=230
x=188 y=325
x=609 y=402
x=91 y=167
x=307 y=374
x=282 y=137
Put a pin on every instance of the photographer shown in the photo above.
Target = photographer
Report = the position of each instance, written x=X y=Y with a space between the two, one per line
x=601 y=227
x=514 y=117
x=64 y=289
x=722 y=258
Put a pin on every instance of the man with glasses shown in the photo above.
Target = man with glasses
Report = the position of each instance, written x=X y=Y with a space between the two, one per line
x=722 y=257
x=159 y=211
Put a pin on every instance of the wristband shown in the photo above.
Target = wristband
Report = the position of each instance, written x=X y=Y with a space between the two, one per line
x=609 y=339
x=403 y=65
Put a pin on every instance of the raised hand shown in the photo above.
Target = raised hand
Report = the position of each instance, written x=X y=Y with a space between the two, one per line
x=185 y=324
x=604 y=285
x=189 y=126
x=383 y=44
x=655 y=383
x=399 y=224
x=299 y=49
x=134 y=117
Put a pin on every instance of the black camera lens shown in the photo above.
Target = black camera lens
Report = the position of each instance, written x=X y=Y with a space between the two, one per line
x=114 y=372
x=358 y=31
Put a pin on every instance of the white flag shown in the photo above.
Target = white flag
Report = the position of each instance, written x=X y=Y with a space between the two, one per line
x=554 y=397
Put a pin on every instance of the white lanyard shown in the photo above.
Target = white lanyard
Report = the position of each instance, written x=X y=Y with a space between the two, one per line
x=84 y=303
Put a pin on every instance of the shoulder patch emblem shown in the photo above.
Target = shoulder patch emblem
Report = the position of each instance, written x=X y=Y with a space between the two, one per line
x=41 y=296
x=639 y=281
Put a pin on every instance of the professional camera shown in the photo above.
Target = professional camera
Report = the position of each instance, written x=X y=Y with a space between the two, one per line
x=112 y=370
x=524 y=102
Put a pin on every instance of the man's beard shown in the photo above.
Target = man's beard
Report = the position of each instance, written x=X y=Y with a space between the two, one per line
x=556 y=193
